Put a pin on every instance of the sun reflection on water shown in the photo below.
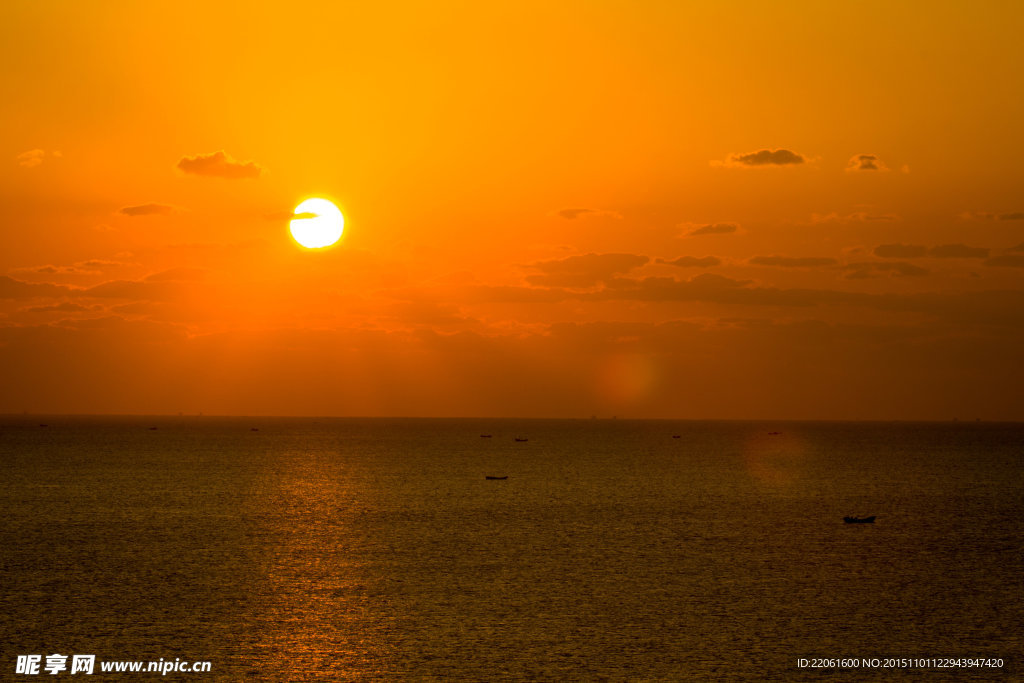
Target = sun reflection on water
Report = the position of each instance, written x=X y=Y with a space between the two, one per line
x=775 y=459
x=309 y=610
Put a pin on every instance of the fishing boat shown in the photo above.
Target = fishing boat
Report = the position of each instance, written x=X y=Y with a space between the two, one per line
x=521 y=440
x=495 y=478
x=859 y=520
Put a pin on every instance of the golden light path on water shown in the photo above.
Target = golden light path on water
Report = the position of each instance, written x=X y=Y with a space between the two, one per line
x=775 y=458
x=308 y=608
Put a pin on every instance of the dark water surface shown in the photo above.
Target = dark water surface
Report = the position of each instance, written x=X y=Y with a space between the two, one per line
x=376 y=549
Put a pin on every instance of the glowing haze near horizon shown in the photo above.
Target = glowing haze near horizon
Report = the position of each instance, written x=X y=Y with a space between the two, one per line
x=662 y=209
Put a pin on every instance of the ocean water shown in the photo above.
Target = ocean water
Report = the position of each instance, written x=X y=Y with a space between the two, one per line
x=359 y=549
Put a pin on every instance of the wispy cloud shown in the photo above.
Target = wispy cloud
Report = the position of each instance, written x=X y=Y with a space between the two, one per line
x=958 y=251
x=900 y=250
x=34 y=157
x=763 y=157
x=585 y=270
x=858 y=271
x=866 y=162
x=695 y=229
x=573 y=214
x=692 y=262
x=16 y=289
x=792 y=261
x=181 y=274
x=1006 y=261
x=920 y=251
x=988 y=216
x=148 y=210
x=64 y=307
x=219 y=165
x=289 y=216
x=855 y=217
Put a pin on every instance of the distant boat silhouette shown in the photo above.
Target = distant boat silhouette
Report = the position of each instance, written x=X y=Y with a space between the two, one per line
x=495 y=478
x=677 y=436
x=44 y=425
x=518 y=439
x=485 y=436
x=859 y=520
x=774 y=433
x=254 y=429
x=152 y=429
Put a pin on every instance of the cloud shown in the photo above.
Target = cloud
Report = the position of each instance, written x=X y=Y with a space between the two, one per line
x=990 y=307
x=694 y=229
x=99 y=263
x=900 y=250
x=35 y=157
x=290 y=216
x=792 y=261
x=157 y=289
x=860 y=271
x=429 y=313
x=719 y=289
x=508 y=294
x=985 y=215
x=219 y=165
x=31 y=158
x=56 y=270
x=65 y=307
x=1006 y=261
x=584 y=270
x=573 y=214
x=182 y=274
x=919 y=251
x=17 y=289
x=857 y=216
x=958 y=251
x=693 y=262
x=764 y=157
x=703 y=287
x=148 y=210
x=866 y=162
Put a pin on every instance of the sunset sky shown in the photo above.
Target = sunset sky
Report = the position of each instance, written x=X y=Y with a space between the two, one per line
x=553 y=209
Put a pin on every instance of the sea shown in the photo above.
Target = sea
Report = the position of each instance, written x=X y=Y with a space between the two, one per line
x=322 y=549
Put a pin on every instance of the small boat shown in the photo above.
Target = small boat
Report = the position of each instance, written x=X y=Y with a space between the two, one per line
x=254 y=429
x=859 y=520
x=485 y=436
x=774 y=433
x=677 y=436
x=152 y=429
x=495 y=478
x=521 y=440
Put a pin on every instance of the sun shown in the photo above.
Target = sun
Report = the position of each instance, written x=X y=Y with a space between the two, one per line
x=317 y=223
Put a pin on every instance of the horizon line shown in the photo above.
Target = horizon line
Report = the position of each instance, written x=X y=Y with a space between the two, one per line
x=594 y=418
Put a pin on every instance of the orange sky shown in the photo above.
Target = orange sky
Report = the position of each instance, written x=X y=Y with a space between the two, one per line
x=655 y=209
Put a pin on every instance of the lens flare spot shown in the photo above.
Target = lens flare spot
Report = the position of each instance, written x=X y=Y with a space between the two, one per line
x=626 y=378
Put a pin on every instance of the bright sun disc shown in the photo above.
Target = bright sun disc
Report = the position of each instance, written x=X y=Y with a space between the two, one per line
x=320 y=227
